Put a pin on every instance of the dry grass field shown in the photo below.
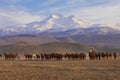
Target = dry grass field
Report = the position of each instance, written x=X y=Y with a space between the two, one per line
x=60 y=70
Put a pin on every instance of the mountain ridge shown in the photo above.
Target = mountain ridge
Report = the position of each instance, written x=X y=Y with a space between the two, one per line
x=53 y=47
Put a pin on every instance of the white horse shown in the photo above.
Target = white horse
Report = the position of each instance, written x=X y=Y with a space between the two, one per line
x=34 y=56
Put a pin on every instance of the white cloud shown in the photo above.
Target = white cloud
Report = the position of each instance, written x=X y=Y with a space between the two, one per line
x=102 y=14
x=13 y=15
x=107 y=13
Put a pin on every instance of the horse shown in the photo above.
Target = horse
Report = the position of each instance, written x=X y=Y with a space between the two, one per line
x=103 y=55
x=7 y=57
x=110 y=55
x=11 y=56
x=36 y=56
x=75 y=56
x=98 y=56
x=92 y=55
x=82 y=56
x=59 y=56
x=28 y=56
x=107 y=55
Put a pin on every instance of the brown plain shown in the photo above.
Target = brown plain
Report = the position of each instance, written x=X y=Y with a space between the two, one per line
x=60 y=70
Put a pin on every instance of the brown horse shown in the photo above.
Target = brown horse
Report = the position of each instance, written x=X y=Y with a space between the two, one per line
x=59 y=56
x=92 y=55
x=110 y=55
x=28 y=56
x=68 y=56
x=7 y=57
x=11 y=56
x=82 y=56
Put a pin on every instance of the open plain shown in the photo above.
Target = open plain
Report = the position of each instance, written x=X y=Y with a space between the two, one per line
x=60 y=70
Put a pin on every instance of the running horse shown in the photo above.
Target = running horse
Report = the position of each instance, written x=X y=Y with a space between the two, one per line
x=11 y=56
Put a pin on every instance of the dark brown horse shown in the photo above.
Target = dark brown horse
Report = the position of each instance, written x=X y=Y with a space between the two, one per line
x=37 y=56
x=98 y=56
x=28 y=56
x=110 y=55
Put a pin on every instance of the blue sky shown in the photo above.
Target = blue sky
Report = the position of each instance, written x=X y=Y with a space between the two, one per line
x=24 y=11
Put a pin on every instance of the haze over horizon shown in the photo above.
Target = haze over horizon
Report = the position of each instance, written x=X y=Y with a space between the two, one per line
x=14 y=12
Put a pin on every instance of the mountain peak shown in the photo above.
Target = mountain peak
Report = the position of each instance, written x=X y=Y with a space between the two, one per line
x=55 y=16
x=73 y=16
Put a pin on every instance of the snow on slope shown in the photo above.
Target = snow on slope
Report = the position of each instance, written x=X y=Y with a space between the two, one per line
x=59 y=23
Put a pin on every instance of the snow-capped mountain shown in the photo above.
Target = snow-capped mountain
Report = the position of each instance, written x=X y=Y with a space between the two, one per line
x=59 y=24
x=54 y=23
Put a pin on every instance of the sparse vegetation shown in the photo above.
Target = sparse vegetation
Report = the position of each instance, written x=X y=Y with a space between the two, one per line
x=60 y=70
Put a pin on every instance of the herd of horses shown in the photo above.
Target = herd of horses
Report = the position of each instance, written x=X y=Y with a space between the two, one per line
x=55 y=56
x=102 y=55
x=58 y=56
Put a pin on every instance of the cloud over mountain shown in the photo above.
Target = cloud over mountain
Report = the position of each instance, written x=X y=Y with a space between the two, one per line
x=98 y=11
